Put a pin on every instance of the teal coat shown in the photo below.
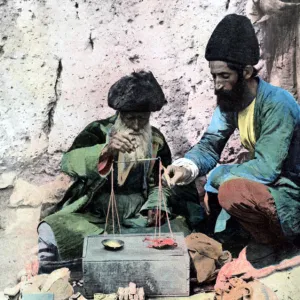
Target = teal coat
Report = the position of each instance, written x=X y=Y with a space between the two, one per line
x=276 y=161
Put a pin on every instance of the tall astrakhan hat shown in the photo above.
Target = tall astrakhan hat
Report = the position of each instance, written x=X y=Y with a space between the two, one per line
x=233 y=40
x=139 y=92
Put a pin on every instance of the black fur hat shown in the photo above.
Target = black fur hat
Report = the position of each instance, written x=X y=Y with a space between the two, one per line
x=138 y=92
x=233 y=40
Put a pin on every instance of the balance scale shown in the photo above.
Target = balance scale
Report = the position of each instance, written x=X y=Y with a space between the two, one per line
x=113 y=261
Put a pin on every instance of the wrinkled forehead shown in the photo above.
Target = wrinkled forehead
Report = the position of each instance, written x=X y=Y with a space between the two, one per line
x=217 y=67
x=135 y=115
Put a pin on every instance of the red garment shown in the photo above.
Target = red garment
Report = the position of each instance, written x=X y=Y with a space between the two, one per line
x=253 y=206
x=240 y=289
x=241 y=267
x=104 y=165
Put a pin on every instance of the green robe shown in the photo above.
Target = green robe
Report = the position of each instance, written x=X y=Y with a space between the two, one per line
x=74 y=217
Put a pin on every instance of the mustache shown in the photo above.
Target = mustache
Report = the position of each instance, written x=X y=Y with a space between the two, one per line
x=224 y=93
x=232 y=100
x=235 y=92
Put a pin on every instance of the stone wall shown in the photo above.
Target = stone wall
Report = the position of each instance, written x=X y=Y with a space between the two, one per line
x=58 y=59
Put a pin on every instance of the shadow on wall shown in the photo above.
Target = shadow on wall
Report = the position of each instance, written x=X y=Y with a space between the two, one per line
x=171 y=117
x=278 y=28
x=281 y=34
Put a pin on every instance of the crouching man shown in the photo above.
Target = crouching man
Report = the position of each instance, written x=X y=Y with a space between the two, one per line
x=262 y=194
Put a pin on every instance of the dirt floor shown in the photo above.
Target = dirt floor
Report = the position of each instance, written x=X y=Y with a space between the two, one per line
x=18 y=240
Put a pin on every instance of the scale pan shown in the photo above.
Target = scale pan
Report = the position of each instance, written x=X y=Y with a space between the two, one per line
x=112 y=244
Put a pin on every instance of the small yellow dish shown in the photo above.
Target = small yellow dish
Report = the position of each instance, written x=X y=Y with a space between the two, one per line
x=112 y=244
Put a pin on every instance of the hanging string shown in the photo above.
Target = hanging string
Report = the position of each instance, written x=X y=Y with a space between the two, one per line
x=118 y=219
x=113 y=204
x=107 y=214
x=161 y=199
x=157 y=213
x=164 y=201
x=135 y=160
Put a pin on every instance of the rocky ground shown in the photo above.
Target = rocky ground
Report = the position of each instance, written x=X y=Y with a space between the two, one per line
x=58 y=60
x=19 y=240
x=20 y=206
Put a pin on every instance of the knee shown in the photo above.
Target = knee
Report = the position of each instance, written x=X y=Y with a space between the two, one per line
x=229 y=193
x=46 y=243
x=46 y=234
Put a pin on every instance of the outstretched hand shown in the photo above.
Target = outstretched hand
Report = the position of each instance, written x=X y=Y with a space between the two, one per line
x=177 y=174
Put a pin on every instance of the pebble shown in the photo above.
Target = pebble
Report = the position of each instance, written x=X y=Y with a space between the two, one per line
x=21 y=274
x=12 y=291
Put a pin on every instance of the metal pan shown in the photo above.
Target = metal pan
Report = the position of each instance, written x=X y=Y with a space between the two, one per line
x=112 y=244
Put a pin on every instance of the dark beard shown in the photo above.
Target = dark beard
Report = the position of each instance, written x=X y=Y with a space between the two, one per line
x=235 y=100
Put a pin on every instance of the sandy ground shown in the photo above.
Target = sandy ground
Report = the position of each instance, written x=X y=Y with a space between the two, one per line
x=18 y=242
x=18 y=238
x=285 y=284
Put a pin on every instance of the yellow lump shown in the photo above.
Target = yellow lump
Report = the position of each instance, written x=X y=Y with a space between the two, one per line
x=112 y=244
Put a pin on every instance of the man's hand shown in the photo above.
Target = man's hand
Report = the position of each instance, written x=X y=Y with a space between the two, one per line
x=177 y=174
x=152 y=217
x=120 y=141
x=206 y=204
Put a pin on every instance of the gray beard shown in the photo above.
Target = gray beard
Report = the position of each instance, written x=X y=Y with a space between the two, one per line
x=143 y=141
x=128 y=161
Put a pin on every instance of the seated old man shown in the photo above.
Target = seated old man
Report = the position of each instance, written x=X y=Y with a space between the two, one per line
x=121 y=141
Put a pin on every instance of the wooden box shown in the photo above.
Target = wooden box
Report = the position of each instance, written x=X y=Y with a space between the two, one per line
x=160 y=272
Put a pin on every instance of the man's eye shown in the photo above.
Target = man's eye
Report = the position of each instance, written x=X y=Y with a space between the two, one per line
x=225 y=76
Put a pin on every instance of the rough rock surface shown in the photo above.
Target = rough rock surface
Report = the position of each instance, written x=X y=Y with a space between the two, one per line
x=7 y=180
x=27 y=194
x=58 y=60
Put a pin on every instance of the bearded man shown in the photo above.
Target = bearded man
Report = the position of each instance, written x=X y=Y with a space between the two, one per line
x=262 y=194
x=119 y=143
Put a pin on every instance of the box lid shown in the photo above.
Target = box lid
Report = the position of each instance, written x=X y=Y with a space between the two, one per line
x=135 y=248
